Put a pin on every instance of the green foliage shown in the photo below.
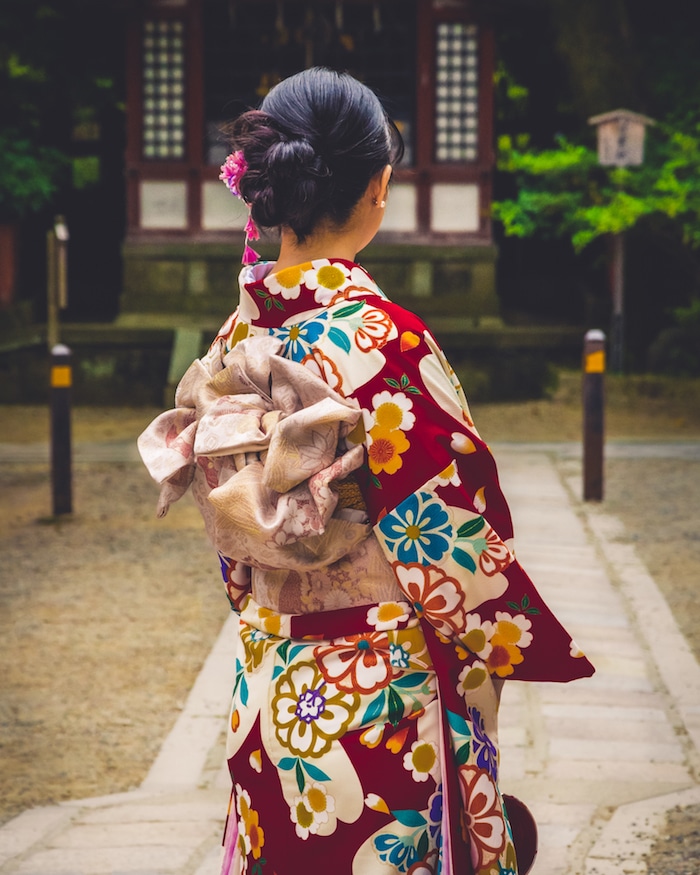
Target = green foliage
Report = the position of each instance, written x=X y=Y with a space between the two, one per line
x=558 y=64
x=57 y=72
x=676 y=351
x=512 y=94
x=29 y=175
x=689 y=317
x=564 y=192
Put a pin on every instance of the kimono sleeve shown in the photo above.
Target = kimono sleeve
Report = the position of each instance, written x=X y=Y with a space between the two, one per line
x=434 y=499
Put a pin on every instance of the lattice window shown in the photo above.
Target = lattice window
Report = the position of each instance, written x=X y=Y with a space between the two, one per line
x=456 y=92
x=163 y=90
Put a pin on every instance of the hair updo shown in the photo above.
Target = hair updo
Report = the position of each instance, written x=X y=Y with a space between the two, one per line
x=311 y=150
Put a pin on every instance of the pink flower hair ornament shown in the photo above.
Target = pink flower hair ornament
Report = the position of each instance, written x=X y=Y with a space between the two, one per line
x=232 y=170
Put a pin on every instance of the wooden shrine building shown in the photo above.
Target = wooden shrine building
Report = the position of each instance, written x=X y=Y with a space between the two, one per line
x=193 y=65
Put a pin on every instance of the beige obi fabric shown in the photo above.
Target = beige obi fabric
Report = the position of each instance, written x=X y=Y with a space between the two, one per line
x=260 y=442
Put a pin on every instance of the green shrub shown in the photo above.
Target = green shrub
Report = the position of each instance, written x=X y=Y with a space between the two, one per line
x=676 y=351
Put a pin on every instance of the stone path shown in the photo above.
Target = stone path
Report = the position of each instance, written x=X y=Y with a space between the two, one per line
x=599 y=761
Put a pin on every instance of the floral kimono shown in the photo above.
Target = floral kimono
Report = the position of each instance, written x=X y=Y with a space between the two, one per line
x=367 y=547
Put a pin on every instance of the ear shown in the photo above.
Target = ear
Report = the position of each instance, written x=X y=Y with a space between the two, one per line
x=378 y=187
x=386 y=179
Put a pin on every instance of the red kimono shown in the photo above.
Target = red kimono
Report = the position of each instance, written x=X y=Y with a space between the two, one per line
x=367 y=547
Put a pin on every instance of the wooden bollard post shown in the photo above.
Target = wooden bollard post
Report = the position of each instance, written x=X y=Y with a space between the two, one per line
x=56 y=278
x=61 y=466
x=593 y=414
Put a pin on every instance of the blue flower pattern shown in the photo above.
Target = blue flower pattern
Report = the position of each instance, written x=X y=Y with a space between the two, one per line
x=397 y=851
x=435 y=815
x=398 y=656
x=483 y=747
x=300 y=338
x=418 y=529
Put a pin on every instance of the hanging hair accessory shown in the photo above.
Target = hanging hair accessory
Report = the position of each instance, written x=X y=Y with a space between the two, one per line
x=250 y=256
x=232 y=170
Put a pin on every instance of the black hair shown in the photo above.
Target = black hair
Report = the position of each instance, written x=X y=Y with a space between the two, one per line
x=312 y=148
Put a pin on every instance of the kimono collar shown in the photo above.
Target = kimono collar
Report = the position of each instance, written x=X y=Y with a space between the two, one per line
x=270 y=298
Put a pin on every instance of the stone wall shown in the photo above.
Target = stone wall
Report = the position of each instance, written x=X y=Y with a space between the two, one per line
x=185 y=280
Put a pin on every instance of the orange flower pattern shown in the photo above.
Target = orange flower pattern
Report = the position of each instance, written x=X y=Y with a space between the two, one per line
x=483 y=817
x=433 y=595
x=360 y=662
x=374 y=331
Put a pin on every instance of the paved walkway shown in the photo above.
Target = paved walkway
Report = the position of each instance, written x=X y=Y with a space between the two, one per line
x=599 y=761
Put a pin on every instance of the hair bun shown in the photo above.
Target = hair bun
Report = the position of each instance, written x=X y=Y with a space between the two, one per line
x=292 y=177
x=297 y=157
x=311 y=149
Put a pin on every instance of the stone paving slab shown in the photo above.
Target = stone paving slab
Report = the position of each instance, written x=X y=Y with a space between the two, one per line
x=124 y=834
x=185 y=753
x=20 y=834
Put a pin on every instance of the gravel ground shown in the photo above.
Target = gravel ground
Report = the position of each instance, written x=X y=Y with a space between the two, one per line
x=107 y=617
x=105 y=620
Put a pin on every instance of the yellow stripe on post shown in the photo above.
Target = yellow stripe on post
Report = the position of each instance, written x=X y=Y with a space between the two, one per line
x=595 y=362
x=61 y=377
x=593 y=414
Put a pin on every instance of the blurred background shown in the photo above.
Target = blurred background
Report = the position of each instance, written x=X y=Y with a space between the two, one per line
x=502 y=225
